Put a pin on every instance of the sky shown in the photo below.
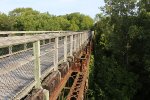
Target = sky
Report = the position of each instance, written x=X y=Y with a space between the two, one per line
x=55 y=7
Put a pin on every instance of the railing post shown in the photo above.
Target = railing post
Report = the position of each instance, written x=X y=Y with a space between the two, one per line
x=43 y=42
x=25 y=45
x=75 y=43
x=56 y=54
x=92 y=34
x=71 y=44
x=83 y=37
x=46 y=94
x=10 y=47
x=37 y=67
x=80 y=41
x=86 y=37
x=65 y=48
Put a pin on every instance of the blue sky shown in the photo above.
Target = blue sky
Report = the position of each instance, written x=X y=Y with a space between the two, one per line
x=56 y=7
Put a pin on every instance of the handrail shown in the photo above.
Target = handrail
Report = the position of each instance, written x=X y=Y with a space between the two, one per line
x=28 y=32
x=32 y=32
x=15 y=40
x=36 y=56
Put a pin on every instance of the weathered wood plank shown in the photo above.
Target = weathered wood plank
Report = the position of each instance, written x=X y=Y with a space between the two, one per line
x=37 y=65
x=8 y=41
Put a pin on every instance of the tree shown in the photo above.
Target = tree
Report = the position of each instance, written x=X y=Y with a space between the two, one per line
x=25 y=19
x=5 y=22
x=82 y=21
x=122 y=41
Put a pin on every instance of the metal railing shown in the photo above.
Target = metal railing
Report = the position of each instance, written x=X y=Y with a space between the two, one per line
x=27 y=59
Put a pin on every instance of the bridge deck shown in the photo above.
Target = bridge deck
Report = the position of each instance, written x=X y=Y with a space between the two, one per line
x=15 y=77
x=18 y=70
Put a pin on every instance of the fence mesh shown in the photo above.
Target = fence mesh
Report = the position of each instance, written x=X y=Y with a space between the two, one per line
x=16 y=71
x=17 y=64
x=47 y=56
x=17 y=68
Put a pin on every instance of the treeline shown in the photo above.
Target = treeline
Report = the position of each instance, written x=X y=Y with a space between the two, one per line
x=121 y=69
x=27 y=19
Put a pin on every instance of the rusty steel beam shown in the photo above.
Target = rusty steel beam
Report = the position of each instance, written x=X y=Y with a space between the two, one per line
x=79 y=86
x=82 y=88
x=74 y=91
x=61 y=85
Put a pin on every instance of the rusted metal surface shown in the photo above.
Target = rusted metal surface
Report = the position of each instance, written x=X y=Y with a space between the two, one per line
x=74 y=91
x=80 y=85
x=79 y=63
x=61 y=85
x=36 y=95
x=63 y=68
x=17 y=65
x=51 y=82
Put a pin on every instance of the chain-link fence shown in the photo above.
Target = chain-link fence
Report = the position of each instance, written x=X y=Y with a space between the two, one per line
x=16 y=70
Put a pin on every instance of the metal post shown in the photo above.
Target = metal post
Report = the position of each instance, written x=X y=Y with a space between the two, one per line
x=10 y=47
x=65 y=48
x=43 y=42
x=37 y=67
x=75 y=43
x=46 y=94
x=92 y=34
x=80 y=40
x=71 y=44
x=84 y=37
x=25 y=45
x=56 y=54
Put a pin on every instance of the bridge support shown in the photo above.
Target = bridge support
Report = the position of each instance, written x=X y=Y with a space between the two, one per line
x=64 y=80
x=74 y=86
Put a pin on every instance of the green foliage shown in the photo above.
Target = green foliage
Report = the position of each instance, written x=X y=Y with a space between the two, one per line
x=91 y=78
x=79 y=21
x=114 y=82
x=5 y=22
x=122 y=51
x=27 y=19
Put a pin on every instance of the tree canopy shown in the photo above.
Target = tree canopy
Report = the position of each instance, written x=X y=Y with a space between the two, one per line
x=27 y=19
x=122 y=51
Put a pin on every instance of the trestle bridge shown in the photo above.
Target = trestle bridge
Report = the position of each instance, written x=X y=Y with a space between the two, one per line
x=44 y=65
